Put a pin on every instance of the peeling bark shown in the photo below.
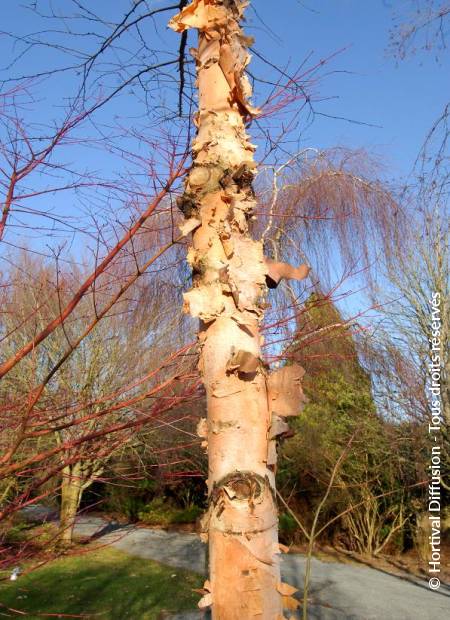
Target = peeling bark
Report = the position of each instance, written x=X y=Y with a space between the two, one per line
x=285 y=392
x=277 y=271
x=228 y=296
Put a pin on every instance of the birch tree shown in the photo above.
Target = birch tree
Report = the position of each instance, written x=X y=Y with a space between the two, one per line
x=244 y=403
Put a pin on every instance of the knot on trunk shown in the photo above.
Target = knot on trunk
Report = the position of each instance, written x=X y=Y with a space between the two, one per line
x=241 y=485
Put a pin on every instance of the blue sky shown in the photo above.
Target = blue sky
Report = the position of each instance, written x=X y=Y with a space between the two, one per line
x=368 y=85
x=364 y=83
x=403 y=98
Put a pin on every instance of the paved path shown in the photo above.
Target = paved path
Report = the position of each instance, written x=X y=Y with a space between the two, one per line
x=338 y=591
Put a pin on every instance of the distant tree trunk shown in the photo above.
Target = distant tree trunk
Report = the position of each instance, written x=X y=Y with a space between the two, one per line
x=71 y=490
x=228 y=296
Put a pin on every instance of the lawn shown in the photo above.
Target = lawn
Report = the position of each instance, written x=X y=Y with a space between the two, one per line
x=104 y=584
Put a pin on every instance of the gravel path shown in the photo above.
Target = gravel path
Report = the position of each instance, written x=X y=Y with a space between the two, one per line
x=338 y=591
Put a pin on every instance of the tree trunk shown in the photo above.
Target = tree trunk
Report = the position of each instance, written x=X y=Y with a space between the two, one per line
x=228 y=296
x=71 y=490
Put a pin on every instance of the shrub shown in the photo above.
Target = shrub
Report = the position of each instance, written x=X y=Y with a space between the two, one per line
x=129 y=500
x=161 y=512
x=190 y=514
x=287 y=526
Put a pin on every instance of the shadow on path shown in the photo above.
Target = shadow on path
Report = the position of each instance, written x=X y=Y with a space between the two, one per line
x=338 y=591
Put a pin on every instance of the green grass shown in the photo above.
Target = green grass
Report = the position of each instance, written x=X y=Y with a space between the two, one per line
x=104 y=584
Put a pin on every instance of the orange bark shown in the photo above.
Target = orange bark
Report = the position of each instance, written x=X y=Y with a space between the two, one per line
x=228 y=297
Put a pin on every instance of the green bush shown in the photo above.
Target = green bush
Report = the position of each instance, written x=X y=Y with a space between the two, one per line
x=129 y=500
x=188 y=515
x=287 y=526
x=130 y=507
x=153 y=499
x=161 y=512
x=17 y=533
x=157 y=512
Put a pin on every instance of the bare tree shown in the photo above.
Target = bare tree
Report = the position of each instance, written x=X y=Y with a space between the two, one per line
x=423 y=28
x=88 y=396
